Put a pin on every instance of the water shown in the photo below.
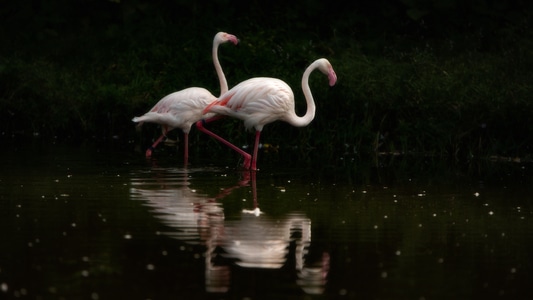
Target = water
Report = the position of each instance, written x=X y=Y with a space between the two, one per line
x=82 y=223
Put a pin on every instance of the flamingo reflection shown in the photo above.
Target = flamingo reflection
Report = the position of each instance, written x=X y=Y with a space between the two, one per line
x=253 y=239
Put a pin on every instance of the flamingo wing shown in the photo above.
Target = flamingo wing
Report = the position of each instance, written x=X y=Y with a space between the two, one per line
x=179 y=109
x=257 y=101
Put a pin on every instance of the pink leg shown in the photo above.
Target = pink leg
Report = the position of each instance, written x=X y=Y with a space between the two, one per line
x=256 y=146
x=149 y=150
x=254 y=190
x=186 y=148
x=245 y=155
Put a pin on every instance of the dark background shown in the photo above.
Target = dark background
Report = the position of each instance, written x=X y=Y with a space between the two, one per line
x=443 y=77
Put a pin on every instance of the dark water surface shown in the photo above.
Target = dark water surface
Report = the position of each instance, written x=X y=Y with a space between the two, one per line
x=86 y=224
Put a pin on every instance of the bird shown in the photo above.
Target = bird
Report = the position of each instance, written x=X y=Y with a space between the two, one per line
x=261 y=100
x=183 y=108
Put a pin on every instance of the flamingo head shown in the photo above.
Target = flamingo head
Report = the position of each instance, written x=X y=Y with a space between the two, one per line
x=223 y=37
x=325 y=67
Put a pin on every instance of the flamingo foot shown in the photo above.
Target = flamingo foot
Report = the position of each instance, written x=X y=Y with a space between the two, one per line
x=247 y=161
x=149 y=152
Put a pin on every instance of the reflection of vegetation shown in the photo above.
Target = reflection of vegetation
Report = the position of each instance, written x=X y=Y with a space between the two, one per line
x=441 y=77
x=420 y=227
x=396 y=226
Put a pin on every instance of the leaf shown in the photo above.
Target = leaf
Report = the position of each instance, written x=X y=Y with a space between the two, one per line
x=416 y=14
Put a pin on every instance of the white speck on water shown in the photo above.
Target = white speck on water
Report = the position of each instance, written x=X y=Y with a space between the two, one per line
x=94 y=296
x=384 y=274
x=3 y=287
x=434 y=214
x=376 y=226
x=385 y=217
x=491 y=213
x=193 y=190
x=364 y=192
x=513 y=270
x=398 y=252
x=282 y=190
x=420 y=225
x=73 y=224
x=440 y=260
x=127 y=236
x=476 y=194
x=85 y=273
x=164 y=252
x=150 y=267
x=85 y=258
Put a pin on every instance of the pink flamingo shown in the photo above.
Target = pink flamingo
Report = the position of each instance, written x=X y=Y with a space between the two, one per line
x=262 y=100
x=181 y=109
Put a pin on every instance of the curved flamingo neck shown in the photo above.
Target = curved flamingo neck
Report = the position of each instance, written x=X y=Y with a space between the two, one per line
x=218 y=68
x=311 y=107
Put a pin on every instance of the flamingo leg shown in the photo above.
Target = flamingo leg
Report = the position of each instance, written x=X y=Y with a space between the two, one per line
x=254 y=190
x=246 y=156
x=185 y=149
x=151 y=148
x=256 y=146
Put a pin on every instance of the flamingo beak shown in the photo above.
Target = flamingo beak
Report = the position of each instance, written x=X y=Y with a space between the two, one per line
x=332 y=77
x=233 y=39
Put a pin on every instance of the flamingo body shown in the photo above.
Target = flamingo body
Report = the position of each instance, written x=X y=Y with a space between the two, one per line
x=181 y=109
x=262 y=100
x=257 y=102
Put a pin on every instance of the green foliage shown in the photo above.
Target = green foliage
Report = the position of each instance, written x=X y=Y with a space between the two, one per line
x=437 y=77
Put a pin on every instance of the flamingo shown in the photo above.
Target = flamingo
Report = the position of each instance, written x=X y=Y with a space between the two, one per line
x=183 y=108
x=262 y=100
